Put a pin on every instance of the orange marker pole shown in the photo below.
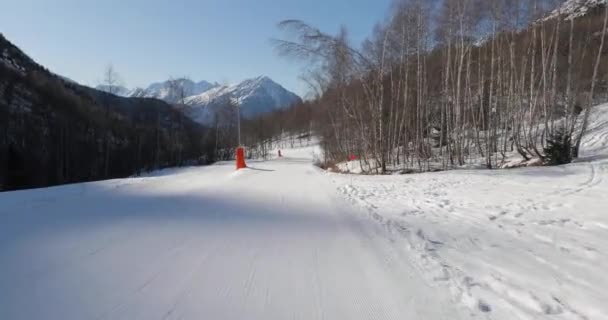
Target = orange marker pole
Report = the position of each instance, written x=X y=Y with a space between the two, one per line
x=240 y=158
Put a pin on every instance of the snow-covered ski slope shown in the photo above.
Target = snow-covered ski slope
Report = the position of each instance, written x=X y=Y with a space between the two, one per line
x=273 y=242
x=284 y=240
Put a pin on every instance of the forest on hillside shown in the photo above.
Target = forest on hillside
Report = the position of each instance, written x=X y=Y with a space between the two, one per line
x=55 y=131
x=445 y=83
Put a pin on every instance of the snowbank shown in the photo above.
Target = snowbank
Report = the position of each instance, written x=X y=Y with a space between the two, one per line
x=527 y=243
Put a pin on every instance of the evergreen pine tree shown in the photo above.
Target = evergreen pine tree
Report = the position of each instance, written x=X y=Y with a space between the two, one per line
x=559 y=147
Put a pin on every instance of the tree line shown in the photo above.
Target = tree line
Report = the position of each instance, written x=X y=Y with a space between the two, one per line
x=56 y=132
x=446 y=83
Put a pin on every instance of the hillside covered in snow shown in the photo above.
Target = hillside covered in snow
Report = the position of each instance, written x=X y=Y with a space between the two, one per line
x=572 y=9
x=527 y=243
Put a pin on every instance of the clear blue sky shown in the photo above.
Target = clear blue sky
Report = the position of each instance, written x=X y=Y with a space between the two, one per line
x=150 y=40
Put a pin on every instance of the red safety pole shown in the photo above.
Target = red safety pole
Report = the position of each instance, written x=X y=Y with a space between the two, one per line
x=240 y=158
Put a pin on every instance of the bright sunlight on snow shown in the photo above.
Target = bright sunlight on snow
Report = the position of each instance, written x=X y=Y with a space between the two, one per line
x=308 y=160
x=272 y=242
x=527 y=243
x=278 y=241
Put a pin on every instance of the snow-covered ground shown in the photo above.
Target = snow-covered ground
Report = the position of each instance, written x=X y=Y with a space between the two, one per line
x=529 y=243
x=572 y=9
x=272 y=242
x=285 y=240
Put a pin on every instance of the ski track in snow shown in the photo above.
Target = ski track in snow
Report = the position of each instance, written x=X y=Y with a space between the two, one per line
x=527 y=243
x=284 y=240
x=274 y=242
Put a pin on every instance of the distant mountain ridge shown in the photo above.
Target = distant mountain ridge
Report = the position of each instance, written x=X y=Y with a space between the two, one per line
x=162 y=90
x=116 y=90
x=205 y=99
x=254 y=97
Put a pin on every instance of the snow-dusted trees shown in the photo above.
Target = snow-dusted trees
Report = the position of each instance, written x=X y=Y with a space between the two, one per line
x=449 y=82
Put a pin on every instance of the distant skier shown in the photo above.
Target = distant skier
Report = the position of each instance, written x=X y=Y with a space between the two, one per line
x=280 y=155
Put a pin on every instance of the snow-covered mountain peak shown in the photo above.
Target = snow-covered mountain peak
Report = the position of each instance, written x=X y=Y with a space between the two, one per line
x=259 y=81
x=254 y=96
x=163 y=90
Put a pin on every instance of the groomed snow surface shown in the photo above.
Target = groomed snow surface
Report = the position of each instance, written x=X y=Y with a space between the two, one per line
x=285 y=240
